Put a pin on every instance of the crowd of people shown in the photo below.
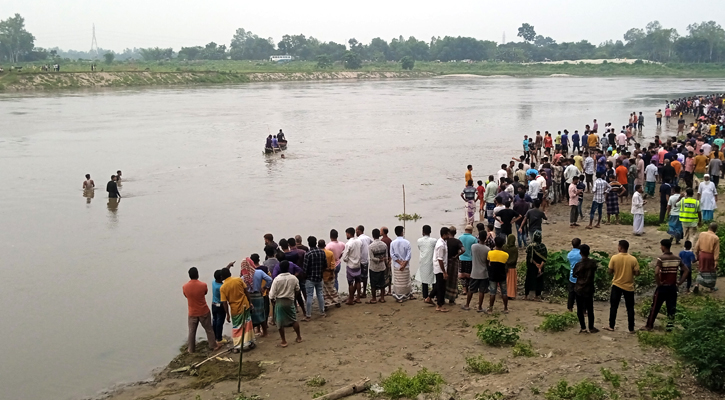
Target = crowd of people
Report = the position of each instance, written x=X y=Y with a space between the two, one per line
x=614 y=168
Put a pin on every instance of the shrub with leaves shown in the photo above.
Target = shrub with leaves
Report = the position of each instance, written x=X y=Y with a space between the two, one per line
x=494 y=333
x=482 y=366
x=656 y=384
x=399 y=384
x=487 y=395
x=701 y=344
x=316 y=381
x=558 y=322
x=524 y=349
x=584 y=390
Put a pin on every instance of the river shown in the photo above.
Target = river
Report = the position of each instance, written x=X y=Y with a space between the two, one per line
x=92 y=290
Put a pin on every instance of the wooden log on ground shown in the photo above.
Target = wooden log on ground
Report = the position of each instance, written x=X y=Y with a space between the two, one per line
x=349 y=390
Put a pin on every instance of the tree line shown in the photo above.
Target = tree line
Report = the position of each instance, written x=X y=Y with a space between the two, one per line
x=704 y=43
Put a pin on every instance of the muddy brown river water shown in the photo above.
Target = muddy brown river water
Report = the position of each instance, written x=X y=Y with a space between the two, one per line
x=91 y=290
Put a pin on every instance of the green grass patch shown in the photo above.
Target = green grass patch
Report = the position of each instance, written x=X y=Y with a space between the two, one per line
x=650 y=219
x=584 y=390
x=316 y=381
x=488 y=395
x=657 y=385
x=655 y=340
x=523 y=349
x=480 y=365
x=399 y=384
x=558 y=322
x=496 y=334
x=611 y=377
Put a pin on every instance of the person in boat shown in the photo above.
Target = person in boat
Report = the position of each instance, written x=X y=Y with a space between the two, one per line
x=280 y=136
x=269 y=142
x=275 y=143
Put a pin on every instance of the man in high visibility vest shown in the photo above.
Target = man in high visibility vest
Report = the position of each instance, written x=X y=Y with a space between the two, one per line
x=690 y=214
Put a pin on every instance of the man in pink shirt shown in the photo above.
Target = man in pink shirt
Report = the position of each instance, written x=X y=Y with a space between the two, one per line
x=689 y=169
x=336 y=248
x=574 y=202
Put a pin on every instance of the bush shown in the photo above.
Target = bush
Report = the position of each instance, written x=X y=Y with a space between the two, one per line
x=701 y=344
x=657 y=385
x=522 y=349
x=316 y=381
x=399 y=384
x=487 y=395
x=481 y=366
x=558 y=322
x=650 y=219
x=407 y=63
x=584 y=390
x=494 y=333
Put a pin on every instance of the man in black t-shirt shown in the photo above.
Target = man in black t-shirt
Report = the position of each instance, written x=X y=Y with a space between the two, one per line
x=112 y=188
x=534 y=217
x=507 y=217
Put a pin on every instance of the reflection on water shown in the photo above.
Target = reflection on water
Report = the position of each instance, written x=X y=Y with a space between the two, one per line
x=89 y=194
x=112 y=206
x=205 y=193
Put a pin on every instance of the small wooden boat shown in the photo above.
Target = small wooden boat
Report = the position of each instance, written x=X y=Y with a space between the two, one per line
x=268 y=150
x=283 y=145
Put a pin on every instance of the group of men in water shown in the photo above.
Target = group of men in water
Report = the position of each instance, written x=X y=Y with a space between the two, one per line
x=513 y=205
x=275 y=142
x=89 y=186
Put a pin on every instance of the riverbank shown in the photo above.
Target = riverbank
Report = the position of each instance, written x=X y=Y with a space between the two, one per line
x=372 y=341
x=20 y=82
x=77 y=74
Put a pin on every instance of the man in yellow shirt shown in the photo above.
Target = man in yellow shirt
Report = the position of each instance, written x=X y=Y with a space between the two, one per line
x=579 y=162
x=469 y=174
x=624 y=267
x=593 y=140
x=235 y=298
x=700 y=165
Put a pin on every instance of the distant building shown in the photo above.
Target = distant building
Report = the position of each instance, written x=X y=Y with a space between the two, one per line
x=280 y=59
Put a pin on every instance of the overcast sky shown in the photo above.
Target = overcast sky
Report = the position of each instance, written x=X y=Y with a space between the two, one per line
x=165 y=23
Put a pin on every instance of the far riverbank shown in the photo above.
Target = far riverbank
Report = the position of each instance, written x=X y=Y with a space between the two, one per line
x=78 y=74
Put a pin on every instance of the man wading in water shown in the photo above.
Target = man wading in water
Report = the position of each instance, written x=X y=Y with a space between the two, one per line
x=112 y=188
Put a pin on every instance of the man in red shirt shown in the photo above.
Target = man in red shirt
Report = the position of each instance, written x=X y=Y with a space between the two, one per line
x=668 y=265
x=480 y=189
x=195 y=293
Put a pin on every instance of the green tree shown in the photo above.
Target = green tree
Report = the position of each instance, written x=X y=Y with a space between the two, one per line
x=15 y=41
x=352 y=60
x=248 y=46
x=710 y=31
x=108 y=57
x=407 y=63
x=324 y=61
x=527 y=32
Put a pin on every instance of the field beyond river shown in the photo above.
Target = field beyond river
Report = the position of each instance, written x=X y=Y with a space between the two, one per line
x=78 y=74
x=98 y=284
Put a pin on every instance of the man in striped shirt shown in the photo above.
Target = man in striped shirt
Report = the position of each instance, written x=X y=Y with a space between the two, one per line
x=666 y=270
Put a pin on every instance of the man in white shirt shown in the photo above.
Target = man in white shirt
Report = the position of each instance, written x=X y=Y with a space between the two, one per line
x=365 y=241
x=282 y=295
x=489 y=196
x=534 y=187
x=638 y=211
x=400 y=253
x=425 y=274
x=570 y=172
x=351 y=256
x=502 y=173
x=589 y=170
x=440 y=265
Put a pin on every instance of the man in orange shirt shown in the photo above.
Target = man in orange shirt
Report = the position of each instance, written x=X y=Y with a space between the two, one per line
x=621 y=173
x=195 y=293
x=678 y=168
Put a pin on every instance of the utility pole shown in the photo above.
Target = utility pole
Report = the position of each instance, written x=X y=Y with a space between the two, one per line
x=94 y=45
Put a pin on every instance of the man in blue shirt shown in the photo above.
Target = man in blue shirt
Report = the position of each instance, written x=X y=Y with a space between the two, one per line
x=466 y=259
x=574 y=257
x=575 y=143
x=565 y=142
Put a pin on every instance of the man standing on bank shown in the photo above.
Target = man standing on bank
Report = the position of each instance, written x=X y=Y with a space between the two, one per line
x=624 y=267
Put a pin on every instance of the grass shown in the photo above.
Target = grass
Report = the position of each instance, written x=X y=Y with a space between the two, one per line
x=523 y=349
x=558 y=322
x=488 y=395
x=655 y=340
x=584 y=390
x=482 y=366
x=657 y=385
x=399 y=384
x=496 y=334
x=611 y=377
x=316 y=381
x=650 y=219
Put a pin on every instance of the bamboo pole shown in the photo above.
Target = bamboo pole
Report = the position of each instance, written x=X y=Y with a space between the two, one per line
x=404 y=215
x=241 y=357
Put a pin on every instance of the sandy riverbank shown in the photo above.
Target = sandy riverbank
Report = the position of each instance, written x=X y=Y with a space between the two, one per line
x=20 y=82
x=373 y=340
